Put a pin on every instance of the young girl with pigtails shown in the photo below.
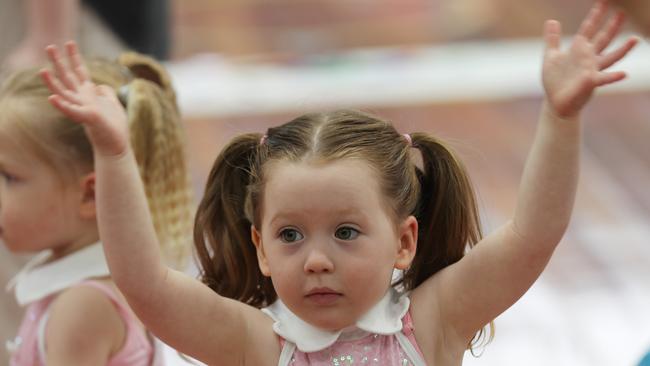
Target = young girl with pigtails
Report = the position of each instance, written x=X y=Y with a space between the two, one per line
x=301 y=227
x=75 y=315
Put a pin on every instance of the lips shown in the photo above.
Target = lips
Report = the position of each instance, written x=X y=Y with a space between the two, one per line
x=323 y=296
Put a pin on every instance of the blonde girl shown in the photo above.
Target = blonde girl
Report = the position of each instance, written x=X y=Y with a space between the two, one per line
x=75 y=315
x=301 y=227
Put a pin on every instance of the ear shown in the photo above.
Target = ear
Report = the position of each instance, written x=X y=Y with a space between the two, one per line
x=256 y=236
x=87 y=207
x=408 y=242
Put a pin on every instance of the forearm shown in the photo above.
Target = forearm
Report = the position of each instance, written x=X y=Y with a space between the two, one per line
x=171 y=304
x=51 y=21
x=548 y=186
x=126 y=228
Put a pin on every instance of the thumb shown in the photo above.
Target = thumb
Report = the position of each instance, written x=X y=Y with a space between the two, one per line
x=552 y=34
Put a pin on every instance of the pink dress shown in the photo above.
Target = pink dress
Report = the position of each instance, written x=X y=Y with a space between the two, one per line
x=383 y=336
x=37 y=286
x=373 y=349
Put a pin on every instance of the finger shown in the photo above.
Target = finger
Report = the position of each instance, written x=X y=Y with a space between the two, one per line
x=73 y=111
x=609 y=77
x=60 y=68
x=615 y=56
x=594 y=19
x=51 y=82
x=552 y=34
x=605 y=36
x=76 y=62
x=55 y=86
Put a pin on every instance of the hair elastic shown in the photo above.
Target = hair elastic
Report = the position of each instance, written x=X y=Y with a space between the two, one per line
x=123 y=94
x=408 y=139
x=263 y=139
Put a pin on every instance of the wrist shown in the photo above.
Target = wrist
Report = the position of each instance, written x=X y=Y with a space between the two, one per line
x=549 y=113
x=113 y=153
x=121 y=162
x=560 y=129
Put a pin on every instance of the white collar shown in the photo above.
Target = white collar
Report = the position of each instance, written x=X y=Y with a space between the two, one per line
x=384 y=318
x=38 y=279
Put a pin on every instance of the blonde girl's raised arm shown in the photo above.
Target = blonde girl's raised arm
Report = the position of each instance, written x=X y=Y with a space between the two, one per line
x=180 y=310
x=503 y=266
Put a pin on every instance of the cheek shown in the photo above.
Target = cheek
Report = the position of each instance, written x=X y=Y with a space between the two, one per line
x=368 y=277
x=282 y=267
x=287 y=286
x=30 y=220
x=16 y=229
x=10 y=212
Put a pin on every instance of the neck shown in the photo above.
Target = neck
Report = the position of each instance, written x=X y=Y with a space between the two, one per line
x=78 y=244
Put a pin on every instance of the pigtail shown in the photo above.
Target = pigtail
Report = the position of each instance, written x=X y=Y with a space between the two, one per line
x=222 y=230
x=158 y=139
x=446 y=211
x=447 y=214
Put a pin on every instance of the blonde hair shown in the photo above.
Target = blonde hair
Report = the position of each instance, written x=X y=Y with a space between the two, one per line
x=439 y=195
x=157 y=138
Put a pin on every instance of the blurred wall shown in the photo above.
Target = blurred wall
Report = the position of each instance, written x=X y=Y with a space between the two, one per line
x=279 y=27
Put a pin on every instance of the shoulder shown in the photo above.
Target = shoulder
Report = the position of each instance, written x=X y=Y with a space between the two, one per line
x=82 y=319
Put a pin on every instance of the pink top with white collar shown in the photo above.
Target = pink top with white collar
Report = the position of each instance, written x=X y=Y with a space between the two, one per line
x=383 y=336
x=38 y=285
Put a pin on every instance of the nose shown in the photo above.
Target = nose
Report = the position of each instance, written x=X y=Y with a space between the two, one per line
x=318 y=262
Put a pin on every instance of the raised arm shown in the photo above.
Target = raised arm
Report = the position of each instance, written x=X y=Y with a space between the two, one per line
x=180 y=310
x=502 y=267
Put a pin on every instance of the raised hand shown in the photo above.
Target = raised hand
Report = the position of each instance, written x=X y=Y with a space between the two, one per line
x=570 y=76
x=94 y=106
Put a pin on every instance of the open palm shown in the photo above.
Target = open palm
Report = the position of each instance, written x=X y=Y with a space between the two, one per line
x=94 y=106
x=570 y=76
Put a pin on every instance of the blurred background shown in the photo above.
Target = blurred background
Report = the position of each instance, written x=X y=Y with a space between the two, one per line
x=465 y=70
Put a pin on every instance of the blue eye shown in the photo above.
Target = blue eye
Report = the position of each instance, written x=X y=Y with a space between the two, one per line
x=290 y=235
x=346 y=233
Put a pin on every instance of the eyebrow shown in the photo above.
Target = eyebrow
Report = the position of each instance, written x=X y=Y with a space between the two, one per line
x=295 y=214
x=284 y=214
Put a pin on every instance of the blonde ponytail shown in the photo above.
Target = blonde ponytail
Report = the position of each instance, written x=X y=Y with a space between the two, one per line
x=157 y=139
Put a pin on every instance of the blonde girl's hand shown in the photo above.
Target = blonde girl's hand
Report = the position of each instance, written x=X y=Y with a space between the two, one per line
x=94 y=106
x=570 y=76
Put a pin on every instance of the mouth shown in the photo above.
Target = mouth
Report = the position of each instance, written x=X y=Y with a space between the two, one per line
x=323 y=296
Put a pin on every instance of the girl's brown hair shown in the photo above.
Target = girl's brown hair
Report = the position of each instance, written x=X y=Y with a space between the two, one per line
x=156 y=133
x=439 y=195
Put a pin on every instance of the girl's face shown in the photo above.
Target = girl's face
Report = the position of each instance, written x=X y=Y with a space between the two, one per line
x=328 y=241
x=37 y=211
